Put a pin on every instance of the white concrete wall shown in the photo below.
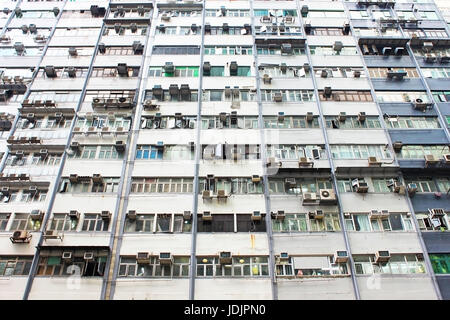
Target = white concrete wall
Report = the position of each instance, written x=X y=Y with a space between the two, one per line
x=326 y=288
x=396 y=287
x=154 y=289
x=308 y=243
x=12 y=288
x=66 y=288
x=233 y=289
x=394 y=242
x=365 y=202
x=177 y=244
x=239 y=244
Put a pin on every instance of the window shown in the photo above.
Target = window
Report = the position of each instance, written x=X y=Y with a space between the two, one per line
x=363 y=223
x=419 y=151
x=52 y=264
x=217 y=71
x=440 y=263
x=291 y=223
x=15 y=266
x=22 y=221
x=4 y=218
x=162 y=185
x=412 y=122
x=302 y=223
x=62 y=222
x=355 y=96
x=288 y=95
x=240 y=267
x=231 y=185
x=398 y=264
x=317 y=266
x=290 y=122
x=395 y=96
x=360 y=151
x=329 y=51
x=428 y=222
x=129 y=267
x=149 y=152
x=383 y=72
x=352 y=123
x=423 y=184
x=181 y=50
x=85 y=184
x=94 y=222
x=228 y=50
x=219 y=223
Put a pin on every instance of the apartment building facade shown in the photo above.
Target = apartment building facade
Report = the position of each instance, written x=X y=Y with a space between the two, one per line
x=224 y=150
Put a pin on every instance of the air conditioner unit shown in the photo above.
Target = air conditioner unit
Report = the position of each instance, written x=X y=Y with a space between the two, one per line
x=327 y=196
x=447 y=158
x=374 y=214
x=52 y=234
x=284 y=256
x=73 y=51
x=143 y=257
x=19 y=154
x=256 y=216
x=361 y=116
x=430 y=159
x=412 y=188
x=225 y=257
x=383 y=213
x=50 y=71
x=4 y=191
x=382 y=256
x=97 y=178
x=437 y=213
x=36 y=215
x=43 y=153
x=338 y=46
x=206 y=194
x=317 y=214
x=360 y=187
x=419 y=104
x=277 y=97
x=267 y=79
x=120 y=146
x=309 y=197
x=256 y=178
x=73 y=178
x=290 y=182
x=106 y=215
x=88 y=256
x=280 y=215
x=131 y=214
x=341 y=257
x=286 y=48
x=74 y=214
x=20 y=236
x=187 y=215
x=150 y=104
x=309 y=116
x=342 y=116
x=373 y=161
x=221 y=193
x=32 y=190
x=165 y=258
x=273 y=162
x=206 y=216
x=67 y=256
x=327 y=92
